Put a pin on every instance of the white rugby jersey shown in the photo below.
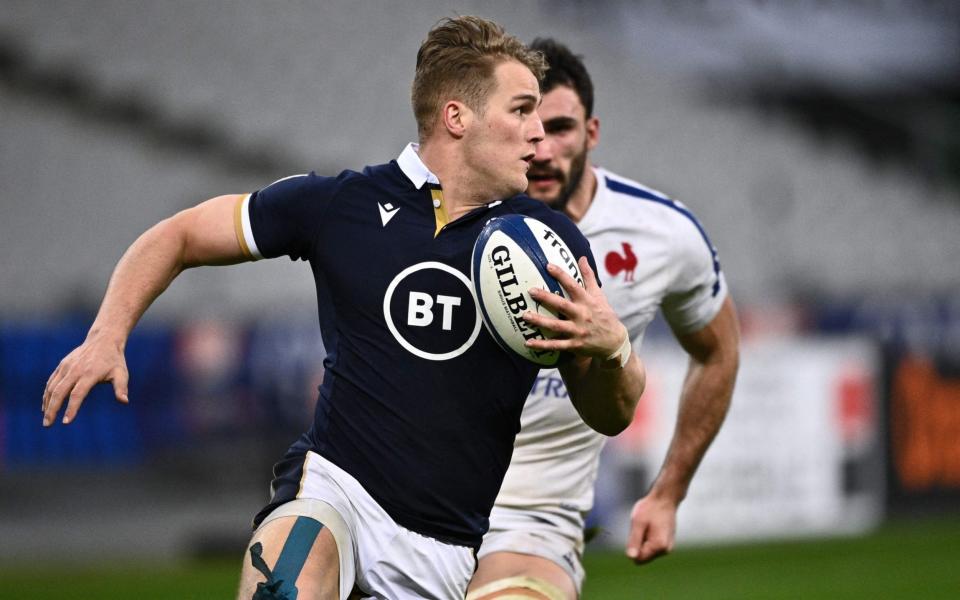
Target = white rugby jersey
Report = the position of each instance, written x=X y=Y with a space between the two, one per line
x=652 y=253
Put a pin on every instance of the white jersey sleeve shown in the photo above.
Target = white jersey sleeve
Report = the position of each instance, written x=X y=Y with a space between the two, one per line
x=697 y=287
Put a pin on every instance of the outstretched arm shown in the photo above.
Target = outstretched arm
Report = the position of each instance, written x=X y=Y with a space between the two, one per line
x=202 y=235
x=603 y=392
x=714 y=359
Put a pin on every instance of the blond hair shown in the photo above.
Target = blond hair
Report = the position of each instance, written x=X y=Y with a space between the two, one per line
x=457 y=61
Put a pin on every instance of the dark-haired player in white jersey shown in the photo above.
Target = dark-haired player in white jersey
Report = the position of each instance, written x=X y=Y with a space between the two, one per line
x=389 y=491
x=654 y=254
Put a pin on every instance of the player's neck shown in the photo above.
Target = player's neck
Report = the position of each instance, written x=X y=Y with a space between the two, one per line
x=581 y=199
x=460 y=193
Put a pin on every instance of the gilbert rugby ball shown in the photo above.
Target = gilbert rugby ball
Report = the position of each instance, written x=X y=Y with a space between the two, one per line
x=509 y=257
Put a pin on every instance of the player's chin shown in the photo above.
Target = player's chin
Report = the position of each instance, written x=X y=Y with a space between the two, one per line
x=517 y=184
x=547 y=192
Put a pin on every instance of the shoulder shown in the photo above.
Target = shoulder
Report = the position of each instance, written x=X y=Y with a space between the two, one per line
x=630 y=198
x=311 y=183
x=303 y=186
x=618 y=184
x=632 y=195
x=525 y=205
x=554 y=219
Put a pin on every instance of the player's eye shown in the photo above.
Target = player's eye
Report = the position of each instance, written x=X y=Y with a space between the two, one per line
x=524 y=109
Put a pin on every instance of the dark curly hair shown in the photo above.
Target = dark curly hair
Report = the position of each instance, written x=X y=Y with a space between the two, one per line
x=566 y=68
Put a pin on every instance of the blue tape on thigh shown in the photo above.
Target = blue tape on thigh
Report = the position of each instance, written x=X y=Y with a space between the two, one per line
x=281 y=583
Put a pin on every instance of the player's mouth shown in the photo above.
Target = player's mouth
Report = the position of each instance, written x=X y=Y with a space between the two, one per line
x=543 y=178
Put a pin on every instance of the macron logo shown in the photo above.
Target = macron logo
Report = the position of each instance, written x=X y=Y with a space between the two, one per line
x=387 y=211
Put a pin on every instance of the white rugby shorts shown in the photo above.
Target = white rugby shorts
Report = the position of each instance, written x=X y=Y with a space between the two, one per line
x=383 y=559
x=556 y=535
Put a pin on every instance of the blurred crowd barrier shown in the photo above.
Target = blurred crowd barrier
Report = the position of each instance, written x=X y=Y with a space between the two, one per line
x=800 y=453
x=844 y=413
x=190 y=385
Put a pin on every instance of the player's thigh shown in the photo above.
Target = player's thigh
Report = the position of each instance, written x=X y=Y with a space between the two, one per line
x=506 y=575
x=293 y=548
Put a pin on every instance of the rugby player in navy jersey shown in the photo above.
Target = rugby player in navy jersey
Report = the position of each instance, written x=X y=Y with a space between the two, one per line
x=388 y=494
x=656 y=256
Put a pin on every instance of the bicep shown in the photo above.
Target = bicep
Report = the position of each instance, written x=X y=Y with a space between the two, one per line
x=210 y=234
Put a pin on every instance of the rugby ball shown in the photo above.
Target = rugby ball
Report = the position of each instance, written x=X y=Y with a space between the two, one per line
x=509 y=257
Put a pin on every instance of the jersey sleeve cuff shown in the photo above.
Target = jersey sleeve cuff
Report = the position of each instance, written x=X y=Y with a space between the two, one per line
x=248 y=244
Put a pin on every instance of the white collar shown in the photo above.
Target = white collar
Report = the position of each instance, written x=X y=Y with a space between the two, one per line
x=411 y=165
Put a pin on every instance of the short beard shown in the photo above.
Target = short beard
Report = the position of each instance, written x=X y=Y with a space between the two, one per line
x=577 y=167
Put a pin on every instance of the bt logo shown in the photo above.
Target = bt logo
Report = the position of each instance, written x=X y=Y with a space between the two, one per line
x=431 y=311
x=420 y=309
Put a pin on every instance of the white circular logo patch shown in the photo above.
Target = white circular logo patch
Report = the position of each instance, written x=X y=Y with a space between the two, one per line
x=431 y=310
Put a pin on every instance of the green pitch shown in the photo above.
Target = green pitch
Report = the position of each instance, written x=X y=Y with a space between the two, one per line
x=903 y=560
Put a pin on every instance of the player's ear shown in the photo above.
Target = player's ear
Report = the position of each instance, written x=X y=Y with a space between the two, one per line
x=456 y=117
x=593 y=132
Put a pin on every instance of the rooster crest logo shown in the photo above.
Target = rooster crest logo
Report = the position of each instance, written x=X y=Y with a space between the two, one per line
x=626 y=262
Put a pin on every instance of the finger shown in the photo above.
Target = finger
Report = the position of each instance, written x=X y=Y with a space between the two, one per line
x=554 y=302
x=590 y=282
x=51 y=384
x=559 y=344
x=77 y=395
x=635 y=540
x=568 y=283
x=120 y=380
x=649 y=551
x=561 y=332
x=555 y=325
x=58 y=393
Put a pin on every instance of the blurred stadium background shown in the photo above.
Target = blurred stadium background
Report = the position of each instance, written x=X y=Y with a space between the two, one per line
x=819 y=143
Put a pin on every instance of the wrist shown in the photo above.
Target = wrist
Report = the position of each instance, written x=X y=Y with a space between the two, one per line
x=672 y=492
x=619 y=357
x=107 y=336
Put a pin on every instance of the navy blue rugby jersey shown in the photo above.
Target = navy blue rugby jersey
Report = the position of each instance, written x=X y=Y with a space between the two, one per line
x=418 y=403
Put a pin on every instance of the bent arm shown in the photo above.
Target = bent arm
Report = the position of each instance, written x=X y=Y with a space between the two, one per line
x=202 y=235
x=604 y=393
x=714 y=359
x=707 y=389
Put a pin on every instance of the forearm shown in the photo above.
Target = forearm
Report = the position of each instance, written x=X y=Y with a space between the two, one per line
x=704 y=402
x=703 y=405
x=603 y=392
x=144 y=271
x=201 y=235
x=606 y=397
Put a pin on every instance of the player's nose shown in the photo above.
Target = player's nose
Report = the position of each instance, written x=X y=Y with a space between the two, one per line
x=535 y=133
x=544 y=151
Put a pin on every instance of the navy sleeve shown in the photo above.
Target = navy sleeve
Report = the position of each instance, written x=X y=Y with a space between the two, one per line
x=286 y=215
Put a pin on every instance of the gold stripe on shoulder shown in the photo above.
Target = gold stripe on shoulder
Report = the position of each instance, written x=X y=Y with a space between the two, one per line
x=303 y=474
x=439 y=210
x=238 y=227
